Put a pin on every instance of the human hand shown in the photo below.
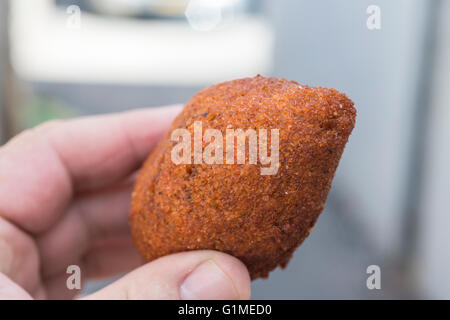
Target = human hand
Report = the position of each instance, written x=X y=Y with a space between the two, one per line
x=65 y=190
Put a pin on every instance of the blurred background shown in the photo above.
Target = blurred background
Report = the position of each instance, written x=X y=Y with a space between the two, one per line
x=389 y=205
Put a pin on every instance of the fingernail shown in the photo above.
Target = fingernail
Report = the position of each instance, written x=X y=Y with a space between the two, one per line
x=208 y=281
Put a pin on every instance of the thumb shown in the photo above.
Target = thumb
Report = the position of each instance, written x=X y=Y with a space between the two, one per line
x=10 y=290
x=188 y=276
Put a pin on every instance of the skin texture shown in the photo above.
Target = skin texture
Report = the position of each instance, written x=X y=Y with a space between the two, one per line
x=260 y=219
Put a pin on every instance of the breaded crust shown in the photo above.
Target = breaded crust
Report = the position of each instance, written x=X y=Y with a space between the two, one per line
x=260 y=219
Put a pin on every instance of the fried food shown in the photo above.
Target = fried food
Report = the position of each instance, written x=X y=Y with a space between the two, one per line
x=234 y=208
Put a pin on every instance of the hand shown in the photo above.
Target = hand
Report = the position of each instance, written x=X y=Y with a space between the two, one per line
x=64 y=198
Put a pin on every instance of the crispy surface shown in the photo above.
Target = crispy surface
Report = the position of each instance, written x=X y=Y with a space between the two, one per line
x=260 y=219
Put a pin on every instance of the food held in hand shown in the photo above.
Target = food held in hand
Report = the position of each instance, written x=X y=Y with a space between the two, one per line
x=244 y=169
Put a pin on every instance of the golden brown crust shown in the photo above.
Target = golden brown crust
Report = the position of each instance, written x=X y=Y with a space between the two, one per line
x=260 y=219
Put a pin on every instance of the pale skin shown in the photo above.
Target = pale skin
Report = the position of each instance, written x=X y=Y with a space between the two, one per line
x=65 y=191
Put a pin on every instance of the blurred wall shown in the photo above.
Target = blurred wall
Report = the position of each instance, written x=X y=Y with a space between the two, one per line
x=433 y=267
x=327 y=43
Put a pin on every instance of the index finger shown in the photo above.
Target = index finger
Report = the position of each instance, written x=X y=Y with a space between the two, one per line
x=42 y=168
